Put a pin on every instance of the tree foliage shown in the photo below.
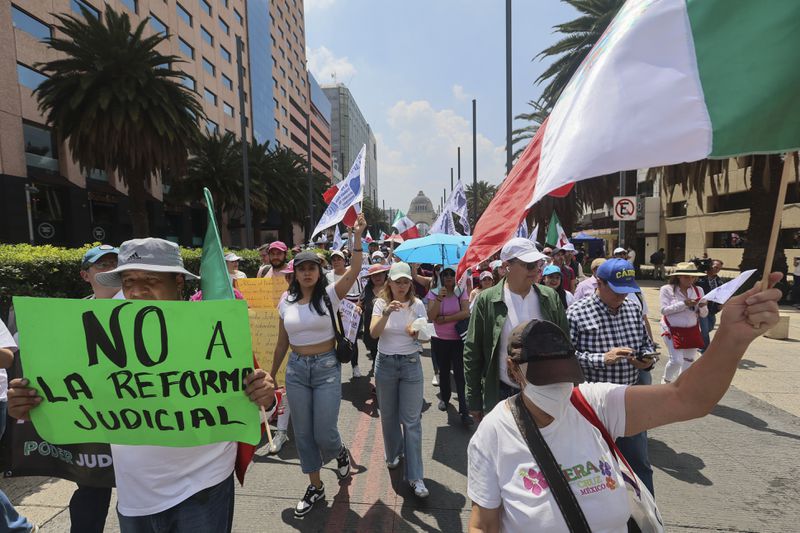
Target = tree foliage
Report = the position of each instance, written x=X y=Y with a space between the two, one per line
x=118 y=102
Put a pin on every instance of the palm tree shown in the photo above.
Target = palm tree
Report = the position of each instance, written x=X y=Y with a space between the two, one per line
x=216 y=163
x=117 y=102
x=280 y=185
x=579 y=36
x=486 y=192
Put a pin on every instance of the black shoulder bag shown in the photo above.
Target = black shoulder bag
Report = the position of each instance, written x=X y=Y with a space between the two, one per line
x=565 y=498
x=344 y=348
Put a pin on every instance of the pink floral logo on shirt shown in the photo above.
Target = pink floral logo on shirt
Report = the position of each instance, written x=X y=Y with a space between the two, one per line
x=534 y=481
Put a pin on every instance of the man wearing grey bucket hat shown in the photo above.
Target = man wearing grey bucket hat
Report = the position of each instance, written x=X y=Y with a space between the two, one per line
x=190 y=488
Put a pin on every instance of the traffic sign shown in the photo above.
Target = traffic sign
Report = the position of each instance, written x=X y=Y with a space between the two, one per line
x=624 y=208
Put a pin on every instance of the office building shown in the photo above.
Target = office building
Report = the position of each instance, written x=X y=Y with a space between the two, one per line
x=45 y=197
x=349 y=132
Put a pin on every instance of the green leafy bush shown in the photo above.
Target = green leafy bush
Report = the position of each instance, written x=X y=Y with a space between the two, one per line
x=54 y=272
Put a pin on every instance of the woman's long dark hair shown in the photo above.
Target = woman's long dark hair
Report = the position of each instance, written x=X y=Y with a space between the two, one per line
x=317 y=302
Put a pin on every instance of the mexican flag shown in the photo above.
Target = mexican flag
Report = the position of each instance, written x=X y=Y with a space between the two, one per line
x=556 y=236
x=670 y=81
x=405 y=226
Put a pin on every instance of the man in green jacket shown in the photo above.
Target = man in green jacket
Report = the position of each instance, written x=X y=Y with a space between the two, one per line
x=497 y=310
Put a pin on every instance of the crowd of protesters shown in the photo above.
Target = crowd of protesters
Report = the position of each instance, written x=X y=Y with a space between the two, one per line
x=513 y=337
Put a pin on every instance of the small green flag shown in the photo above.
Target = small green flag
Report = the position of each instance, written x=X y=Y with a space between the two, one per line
x=552 y=231
x=214 y=279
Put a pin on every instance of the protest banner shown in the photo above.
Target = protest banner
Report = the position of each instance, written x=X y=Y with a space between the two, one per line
x=262 y=293
x=23 y=452
x=264 y=332
x=351 y=317
x=138 y=372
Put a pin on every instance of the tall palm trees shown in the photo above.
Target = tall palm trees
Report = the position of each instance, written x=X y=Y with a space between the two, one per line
x=486 y=192
x=117 y=102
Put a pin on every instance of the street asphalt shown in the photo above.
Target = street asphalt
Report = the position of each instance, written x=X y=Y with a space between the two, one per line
x=729 y=471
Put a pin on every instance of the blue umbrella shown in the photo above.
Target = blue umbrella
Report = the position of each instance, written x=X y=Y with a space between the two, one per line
x=436 y=249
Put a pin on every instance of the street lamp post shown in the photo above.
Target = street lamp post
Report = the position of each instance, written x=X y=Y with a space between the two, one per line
x=475 y=160
x=508 y=88
x=248 y=215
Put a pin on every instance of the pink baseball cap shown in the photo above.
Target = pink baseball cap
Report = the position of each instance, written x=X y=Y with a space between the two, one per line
x=289 y=269
x=278 y=245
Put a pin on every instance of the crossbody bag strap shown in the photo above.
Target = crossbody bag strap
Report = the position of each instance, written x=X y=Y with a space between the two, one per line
x=584 y=407
x=330 y=312
x=562 y=493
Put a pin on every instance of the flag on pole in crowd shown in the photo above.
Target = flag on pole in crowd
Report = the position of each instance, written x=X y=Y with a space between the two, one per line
x=344 y=198
x=405 y=226
x=383 y=235
x=338 y=242
x=555 y=233
x=522 y=230
x=534 y=234
x=458 y=205
x=215 y=282
x=685 y=99
x=444 y=223
x=368 y=237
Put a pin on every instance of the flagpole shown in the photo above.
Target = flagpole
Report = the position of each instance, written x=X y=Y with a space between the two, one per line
x=508 y=88
x=788 y=167
x=475 y=160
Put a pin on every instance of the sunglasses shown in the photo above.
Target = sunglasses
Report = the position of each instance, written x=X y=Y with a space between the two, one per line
x=530 y=266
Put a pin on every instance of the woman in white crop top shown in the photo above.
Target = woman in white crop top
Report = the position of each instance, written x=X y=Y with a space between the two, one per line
x=398 y=373
x=313 y=373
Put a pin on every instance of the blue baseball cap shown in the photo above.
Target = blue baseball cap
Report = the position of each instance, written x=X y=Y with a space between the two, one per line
x=551 y=269
x=91 y=256
x=620 y=276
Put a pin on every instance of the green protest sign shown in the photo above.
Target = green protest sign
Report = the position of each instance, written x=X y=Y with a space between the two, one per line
x=138 y=372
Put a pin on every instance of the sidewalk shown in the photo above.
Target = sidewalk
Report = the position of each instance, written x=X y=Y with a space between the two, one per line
x=726 y=472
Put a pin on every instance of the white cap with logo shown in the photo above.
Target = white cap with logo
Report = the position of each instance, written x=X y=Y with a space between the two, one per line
x=151 y=255
x=522 y=249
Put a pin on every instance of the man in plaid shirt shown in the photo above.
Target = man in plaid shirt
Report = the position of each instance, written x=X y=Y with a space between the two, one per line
x=610 y=340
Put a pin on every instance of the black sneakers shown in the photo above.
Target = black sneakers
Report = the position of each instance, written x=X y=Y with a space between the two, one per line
x=343 y=464
x=312 y=496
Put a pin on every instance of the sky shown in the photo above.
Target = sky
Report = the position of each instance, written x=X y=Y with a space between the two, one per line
x=414 y=67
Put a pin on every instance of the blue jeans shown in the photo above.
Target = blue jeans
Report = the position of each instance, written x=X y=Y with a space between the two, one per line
x=399 y=385
x=707 y=325
x=10 y=520
x=208 y=511
x=634 y=448
x=314 y=390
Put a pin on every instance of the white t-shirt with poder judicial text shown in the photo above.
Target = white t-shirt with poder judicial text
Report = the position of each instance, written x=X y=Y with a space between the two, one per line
x=503 y=473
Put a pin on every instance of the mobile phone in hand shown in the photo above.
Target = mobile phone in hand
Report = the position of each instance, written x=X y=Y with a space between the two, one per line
x=648 y=356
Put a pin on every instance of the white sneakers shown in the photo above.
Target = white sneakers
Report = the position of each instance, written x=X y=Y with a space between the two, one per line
x=278 y=440
x=420 y=490
x=435 y=380
x=391 y=465
x=356 y=372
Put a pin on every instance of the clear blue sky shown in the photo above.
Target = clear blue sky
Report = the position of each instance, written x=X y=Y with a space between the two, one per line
x=414 y=66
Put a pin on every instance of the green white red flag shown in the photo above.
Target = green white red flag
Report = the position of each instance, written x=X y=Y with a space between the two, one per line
x=670 y=81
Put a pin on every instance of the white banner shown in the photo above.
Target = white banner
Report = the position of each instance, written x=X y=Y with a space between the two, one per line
x=350 y=193
x=350 y=319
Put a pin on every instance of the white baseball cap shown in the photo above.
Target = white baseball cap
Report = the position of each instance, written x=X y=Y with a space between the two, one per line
x=522 y=249
x=569 y=247
x=232 y=257
x=400 y=270
x=337 y=253
x=619 y=251
x=377 y=253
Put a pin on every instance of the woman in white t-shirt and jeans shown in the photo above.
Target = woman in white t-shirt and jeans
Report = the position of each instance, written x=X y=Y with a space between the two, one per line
x=398 y=374
x=313 y=373
x=508 y=490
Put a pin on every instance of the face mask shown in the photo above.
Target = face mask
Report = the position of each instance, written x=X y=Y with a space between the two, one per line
x=553 y=399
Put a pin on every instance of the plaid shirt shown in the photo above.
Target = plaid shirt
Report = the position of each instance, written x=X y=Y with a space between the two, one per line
x=595 y=329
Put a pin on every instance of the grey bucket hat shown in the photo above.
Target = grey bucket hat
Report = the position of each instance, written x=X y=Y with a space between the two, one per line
x=151 y=255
